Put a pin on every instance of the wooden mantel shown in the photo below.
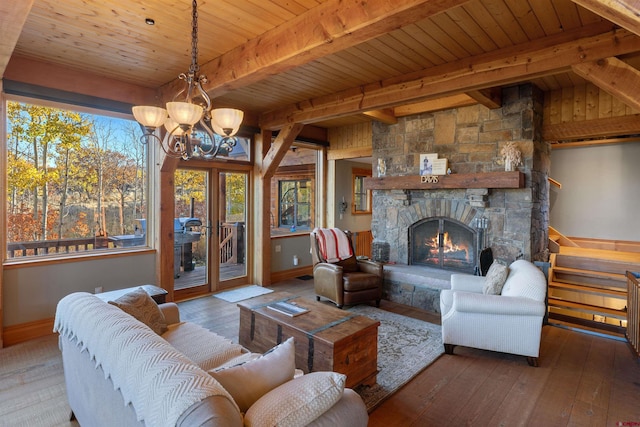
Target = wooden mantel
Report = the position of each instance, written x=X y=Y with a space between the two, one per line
x=459 y=180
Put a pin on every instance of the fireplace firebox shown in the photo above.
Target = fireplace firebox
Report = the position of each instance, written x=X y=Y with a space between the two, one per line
x=443 y=243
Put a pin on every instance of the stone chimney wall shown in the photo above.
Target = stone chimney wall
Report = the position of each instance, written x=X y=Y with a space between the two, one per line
x=471 y=139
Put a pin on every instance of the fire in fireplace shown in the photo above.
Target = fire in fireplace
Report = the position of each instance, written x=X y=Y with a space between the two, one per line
x=443 y=243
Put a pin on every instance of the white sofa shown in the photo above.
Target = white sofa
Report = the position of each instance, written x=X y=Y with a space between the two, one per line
x=510 y=322
x=118 y=371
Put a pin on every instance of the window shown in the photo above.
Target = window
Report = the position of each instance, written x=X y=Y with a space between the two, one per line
x=75 y=181
x=361 y=197
x=295 y=204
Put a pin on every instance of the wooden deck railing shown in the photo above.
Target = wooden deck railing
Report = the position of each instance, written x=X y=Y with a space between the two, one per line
x=232 y=243
x=62 y=246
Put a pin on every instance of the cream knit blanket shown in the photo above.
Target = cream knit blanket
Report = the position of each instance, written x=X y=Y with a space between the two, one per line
x=159 y=381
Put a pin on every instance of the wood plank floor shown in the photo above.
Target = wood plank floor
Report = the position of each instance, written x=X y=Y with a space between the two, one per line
x=583 y=380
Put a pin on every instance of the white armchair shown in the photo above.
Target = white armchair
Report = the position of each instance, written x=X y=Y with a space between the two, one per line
x=510 y=322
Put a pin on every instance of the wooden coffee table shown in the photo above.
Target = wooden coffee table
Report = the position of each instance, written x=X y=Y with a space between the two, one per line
x=326 y=338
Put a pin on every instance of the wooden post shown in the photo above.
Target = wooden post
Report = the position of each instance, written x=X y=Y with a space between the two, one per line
x=165 y=257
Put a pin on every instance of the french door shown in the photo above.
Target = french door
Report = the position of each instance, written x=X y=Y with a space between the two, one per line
x=210 y=230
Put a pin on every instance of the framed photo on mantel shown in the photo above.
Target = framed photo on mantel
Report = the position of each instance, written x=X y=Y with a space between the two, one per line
x=427 y=162
x=430 y=164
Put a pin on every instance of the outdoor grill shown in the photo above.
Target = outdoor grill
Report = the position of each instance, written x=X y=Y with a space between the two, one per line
x=183 y=237
x=183 y=230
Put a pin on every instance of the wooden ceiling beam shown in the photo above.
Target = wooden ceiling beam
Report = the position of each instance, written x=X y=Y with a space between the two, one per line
x=444 y=103
x=625 y=13
x=550 y=55
x=591 y=142
x=331 y=27
x=490 y=98
x=279 y=148
x=386 y=116
x=614 y=77
x=13 y=15
x=594 y=128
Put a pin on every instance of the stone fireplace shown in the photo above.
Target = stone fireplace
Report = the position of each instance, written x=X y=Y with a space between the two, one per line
x=425 y=232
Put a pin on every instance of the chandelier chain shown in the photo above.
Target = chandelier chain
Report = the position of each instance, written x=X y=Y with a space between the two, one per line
x=195 y=68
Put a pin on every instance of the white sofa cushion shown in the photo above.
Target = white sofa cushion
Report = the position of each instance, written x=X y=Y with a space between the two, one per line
x=203 y=347
x=298 y=402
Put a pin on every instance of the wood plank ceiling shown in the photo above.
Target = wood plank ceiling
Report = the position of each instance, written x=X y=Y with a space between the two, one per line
x=328 y=61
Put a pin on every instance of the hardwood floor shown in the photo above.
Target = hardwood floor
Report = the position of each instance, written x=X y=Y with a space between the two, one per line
x=583 y=379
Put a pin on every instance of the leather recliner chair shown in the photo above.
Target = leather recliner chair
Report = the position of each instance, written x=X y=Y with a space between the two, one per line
x=349 y=281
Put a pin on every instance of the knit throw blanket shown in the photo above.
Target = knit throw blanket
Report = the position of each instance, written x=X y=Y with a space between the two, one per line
x=159 y=381
x=333 y=244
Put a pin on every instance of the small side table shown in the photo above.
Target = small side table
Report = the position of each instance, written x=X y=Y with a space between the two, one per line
x=158 y=294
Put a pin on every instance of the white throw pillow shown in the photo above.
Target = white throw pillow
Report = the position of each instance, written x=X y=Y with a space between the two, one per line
x=297 y=402
x=495 y=278
x=249 y=381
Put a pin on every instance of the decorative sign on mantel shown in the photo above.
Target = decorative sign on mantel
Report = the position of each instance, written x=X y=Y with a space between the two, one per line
x=515 y=179
x=433 y=179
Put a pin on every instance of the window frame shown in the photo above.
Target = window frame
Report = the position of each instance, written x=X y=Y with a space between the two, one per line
x=296 y=203
x=147 y=162
x=359 y=193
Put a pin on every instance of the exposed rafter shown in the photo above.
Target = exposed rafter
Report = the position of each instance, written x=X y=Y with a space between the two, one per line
x=328 y=28
x=546 y=56
x=385 y=116
x=613 y=126
x=625 y=13
x=444 y=103
x=490 y=98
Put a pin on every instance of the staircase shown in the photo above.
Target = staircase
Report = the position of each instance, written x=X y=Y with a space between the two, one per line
x=587 y=287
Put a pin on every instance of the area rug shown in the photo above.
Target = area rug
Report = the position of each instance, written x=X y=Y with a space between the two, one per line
x=405 y=347
x=243 y=293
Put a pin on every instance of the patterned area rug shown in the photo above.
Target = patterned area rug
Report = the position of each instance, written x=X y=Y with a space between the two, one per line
x=243 y=293
x=405 y=347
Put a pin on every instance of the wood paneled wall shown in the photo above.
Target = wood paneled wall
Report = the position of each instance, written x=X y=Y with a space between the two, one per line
x=352 y=138
x=580 y=103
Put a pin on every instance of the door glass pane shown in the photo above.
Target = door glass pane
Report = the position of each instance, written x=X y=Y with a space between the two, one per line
x=232 y=207
x=190 y=237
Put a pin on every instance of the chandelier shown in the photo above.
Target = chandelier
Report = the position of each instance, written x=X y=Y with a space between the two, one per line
x=193 y=128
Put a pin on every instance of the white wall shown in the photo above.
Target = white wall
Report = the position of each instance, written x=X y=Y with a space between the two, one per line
x=600 y=194
x=343 y=188
x=282 y=257
x=31 y=292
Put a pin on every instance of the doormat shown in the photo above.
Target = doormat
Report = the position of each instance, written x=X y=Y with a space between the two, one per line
x=305 y=277
x=406 y=346
x=243 y=293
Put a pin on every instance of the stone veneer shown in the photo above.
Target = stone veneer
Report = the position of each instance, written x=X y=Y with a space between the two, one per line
x=471 y=139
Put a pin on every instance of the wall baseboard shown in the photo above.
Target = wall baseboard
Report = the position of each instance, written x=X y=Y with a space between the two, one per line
x=290 y=274
x=16 y=334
